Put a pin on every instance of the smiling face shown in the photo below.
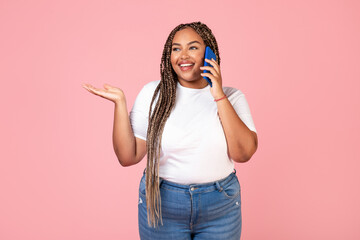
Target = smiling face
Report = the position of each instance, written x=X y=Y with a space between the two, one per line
x=187 y=56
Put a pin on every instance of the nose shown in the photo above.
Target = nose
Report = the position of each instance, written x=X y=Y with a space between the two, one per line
x=184 y=54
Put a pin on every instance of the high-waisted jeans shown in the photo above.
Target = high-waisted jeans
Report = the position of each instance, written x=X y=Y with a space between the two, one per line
x=196 y=211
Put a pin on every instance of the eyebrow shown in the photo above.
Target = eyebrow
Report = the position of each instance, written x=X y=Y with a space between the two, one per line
x=188 y=43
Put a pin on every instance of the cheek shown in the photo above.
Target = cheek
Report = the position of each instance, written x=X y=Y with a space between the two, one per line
x=199 y=56
x=173 y=60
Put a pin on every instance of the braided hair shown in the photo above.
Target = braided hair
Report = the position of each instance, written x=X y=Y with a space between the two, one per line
x=157 y=118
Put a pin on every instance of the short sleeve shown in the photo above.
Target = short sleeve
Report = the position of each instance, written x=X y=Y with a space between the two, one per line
x=241 y=106
x=139 y=114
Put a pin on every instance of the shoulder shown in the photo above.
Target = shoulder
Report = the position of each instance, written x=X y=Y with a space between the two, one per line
x=151 y=86
x=236 y=97
x=147 y=91
x=233 y=93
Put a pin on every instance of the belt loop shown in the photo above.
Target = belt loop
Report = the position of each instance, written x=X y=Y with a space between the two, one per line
x=144 y=171
x=218 y=186
x=234 y=171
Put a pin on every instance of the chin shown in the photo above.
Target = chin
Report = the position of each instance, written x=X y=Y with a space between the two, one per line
x=190 y=79
x=190 y=76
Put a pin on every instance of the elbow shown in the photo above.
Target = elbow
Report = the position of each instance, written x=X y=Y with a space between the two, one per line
x=124 y=162
x=245 y=156
x=250 y=153
x=241 y=159
x=251 y=150
x=127 y=161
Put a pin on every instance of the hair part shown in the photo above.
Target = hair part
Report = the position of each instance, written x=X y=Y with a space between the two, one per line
x=157 y=119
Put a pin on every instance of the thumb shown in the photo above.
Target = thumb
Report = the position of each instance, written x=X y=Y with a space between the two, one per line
x=107 y=86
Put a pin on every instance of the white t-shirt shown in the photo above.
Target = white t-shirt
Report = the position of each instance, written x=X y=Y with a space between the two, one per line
x=193 y=145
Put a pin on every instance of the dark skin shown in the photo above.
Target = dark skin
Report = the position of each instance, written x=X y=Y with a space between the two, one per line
x=242 y=143
x=189 y=46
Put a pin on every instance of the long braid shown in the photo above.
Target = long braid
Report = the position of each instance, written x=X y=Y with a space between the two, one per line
x=159 y=115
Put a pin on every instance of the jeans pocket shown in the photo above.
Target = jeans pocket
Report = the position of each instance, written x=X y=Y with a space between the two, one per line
x=233 y=189
x=142 y=187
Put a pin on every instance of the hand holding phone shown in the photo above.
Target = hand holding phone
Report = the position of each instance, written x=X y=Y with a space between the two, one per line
x=209 y=54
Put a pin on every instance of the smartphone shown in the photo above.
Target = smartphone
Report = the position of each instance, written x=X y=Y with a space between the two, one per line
x=209 y=54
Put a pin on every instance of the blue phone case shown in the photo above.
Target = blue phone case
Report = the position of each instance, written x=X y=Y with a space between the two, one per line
x=208 y=55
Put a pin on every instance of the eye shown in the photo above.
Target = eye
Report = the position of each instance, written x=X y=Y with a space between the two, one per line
x=175 y=49
x=193 y=47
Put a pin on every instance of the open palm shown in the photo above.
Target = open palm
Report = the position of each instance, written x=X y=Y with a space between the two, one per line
x=109 y=92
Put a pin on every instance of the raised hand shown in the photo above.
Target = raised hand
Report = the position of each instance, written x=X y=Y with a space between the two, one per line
x=109 y=92
x=215 y=77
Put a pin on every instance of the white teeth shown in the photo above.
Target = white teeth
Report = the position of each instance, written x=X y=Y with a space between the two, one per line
x=185 y=65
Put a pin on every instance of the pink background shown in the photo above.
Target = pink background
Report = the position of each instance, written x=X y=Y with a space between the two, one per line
x=296 y=61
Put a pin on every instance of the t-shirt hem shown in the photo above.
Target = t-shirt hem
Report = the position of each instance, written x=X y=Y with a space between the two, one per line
x=139 y=136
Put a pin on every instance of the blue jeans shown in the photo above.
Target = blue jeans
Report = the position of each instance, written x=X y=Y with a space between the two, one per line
x=196 y=211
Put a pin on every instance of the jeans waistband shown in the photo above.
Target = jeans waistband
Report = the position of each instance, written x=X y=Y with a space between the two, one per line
x=219 y=184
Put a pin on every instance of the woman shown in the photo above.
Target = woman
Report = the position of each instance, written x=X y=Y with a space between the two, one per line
x=191 y=133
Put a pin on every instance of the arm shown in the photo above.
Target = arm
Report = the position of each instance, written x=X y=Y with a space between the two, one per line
x=129 y=149
x=242 y=142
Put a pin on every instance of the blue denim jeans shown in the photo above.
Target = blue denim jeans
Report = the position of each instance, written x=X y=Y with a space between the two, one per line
x=196 y=211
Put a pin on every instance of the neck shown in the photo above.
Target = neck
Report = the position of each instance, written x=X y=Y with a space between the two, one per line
x=197 y=84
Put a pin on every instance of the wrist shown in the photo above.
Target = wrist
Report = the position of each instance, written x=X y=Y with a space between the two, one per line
x=120 y=101
x=220 y=98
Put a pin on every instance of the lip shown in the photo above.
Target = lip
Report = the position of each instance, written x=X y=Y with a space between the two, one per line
x=185 y=62
x=187 y=68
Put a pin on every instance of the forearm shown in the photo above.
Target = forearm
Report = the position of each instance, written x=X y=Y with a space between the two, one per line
x=123 y=136
x=240 y=140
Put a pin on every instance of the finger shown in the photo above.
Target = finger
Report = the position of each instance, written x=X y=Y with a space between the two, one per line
x=214 y=64
x=87 y=87
x=209 y=61
x=108 y=86
x=211 y=69
x=212 y=61
x=90 y=88
x=209 y=75
x=95 y=90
